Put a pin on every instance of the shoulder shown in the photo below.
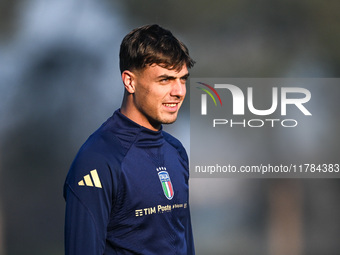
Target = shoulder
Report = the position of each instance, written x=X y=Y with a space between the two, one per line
x=174 y=142
x=103 y=148
x=102 y=152
x=107 y=140
x=102 y=142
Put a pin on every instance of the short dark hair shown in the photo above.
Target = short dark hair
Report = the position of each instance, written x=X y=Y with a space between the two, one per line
x=152 y=44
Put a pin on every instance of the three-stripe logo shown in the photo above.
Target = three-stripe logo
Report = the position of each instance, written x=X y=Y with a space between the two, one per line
x=91 y=180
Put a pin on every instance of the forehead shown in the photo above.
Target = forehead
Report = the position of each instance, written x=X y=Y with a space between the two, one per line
x=157 y=70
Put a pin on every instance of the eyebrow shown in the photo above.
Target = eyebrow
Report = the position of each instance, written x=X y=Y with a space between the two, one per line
x=185 y=76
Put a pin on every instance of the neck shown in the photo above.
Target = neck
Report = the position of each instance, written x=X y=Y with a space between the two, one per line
x=129 y=110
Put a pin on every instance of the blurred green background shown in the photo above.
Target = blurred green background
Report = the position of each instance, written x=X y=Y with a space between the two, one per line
x=59 y=80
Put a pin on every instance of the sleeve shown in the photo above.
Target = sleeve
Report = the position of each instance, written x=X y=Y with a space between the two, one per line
x=88 y=191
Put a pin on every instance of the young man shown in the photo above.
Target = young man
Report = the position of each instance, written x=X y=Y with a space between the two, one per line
x=127 y=189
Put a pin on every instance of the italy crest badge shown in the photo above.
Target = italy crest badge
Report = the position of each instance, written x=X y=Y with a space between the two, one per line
x=166 y=184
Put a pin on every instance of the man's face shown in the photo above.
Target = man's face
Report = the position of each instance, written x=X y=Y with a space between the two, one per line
x=159 y=93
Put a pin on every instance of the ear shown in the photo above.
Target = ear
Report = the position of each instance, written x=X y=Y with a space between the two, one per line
x=128 y=78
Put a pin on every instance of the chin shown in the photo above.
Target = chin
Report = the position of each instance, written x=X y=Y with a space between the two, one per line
x=167 y=118
x=169 y=121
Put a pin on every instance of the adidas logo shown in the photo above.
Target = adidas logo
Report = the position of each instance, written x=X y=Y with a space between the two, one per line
x=89 y=182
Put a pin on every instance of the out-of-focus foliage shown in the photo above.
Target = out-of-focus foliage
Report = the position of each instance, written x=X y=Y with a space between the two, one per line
x=251 y=39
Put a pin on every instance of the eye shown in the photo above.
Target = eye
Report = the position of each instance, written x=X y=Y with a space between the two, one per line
x=164 y=80
x=185 y=78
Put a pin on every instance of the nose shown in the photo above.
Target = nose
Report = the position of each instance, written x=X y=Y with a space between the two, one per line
x=178 y=88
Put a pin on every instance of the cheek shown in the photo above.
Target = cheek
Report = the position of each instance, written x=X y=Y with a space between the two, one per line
x=148 y=99
x=142 y=94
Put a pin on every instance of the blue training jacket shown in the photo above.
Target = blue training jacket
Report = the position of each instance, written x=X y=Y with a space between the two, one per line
x=127 y=193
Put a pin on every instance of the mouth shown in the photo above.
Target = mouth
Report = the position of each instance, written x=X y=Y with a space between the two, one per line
x=171 y=106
